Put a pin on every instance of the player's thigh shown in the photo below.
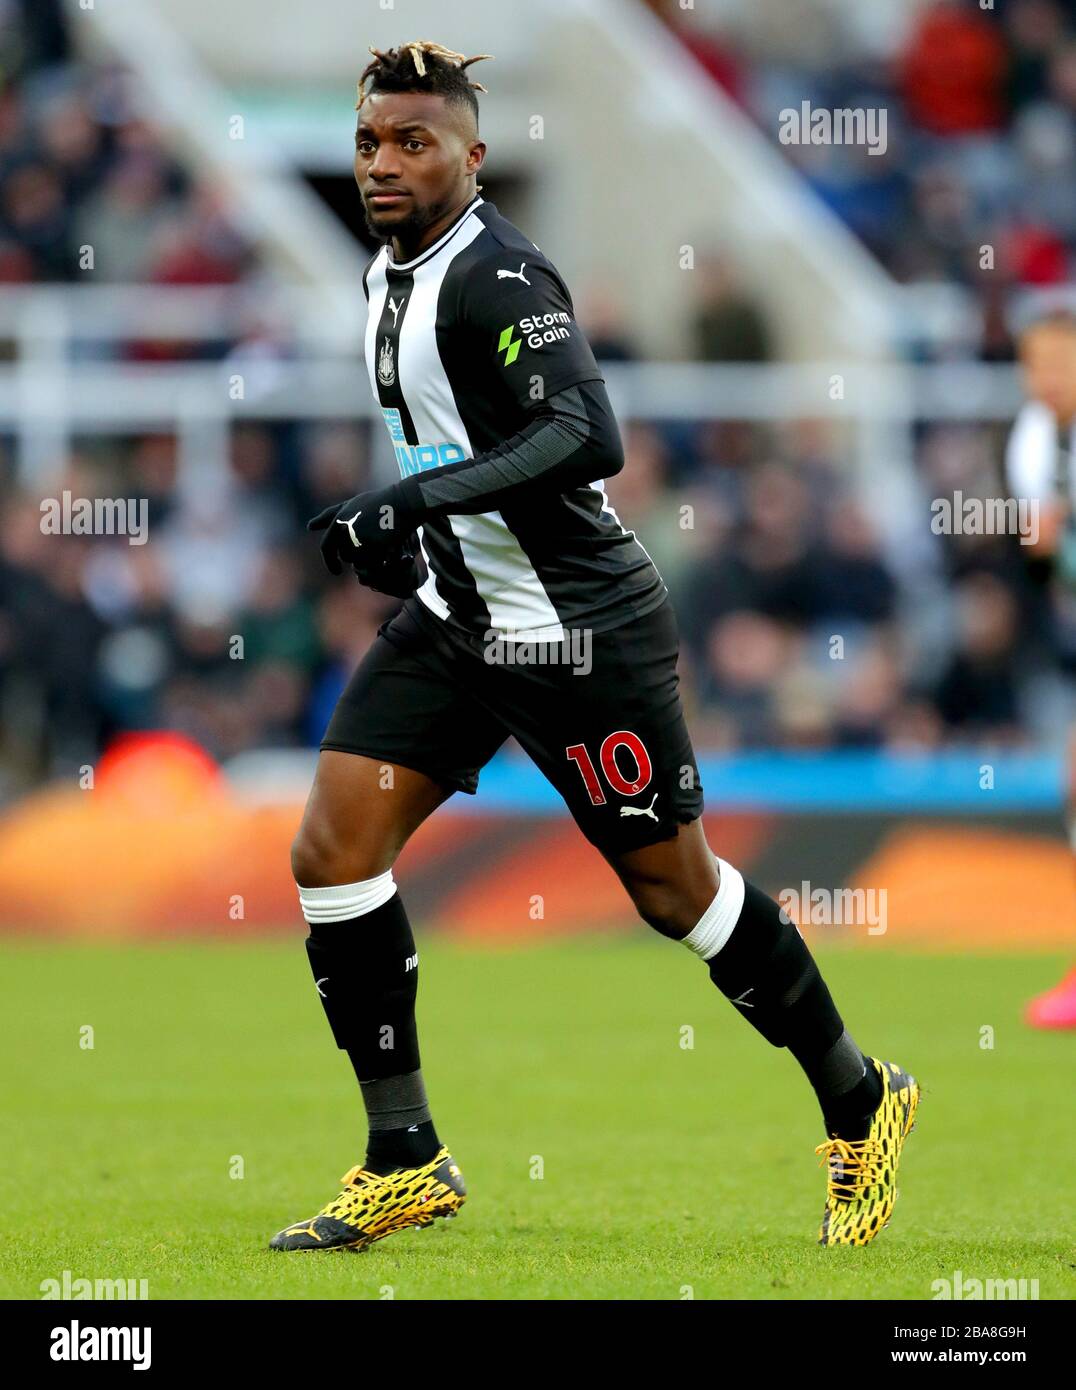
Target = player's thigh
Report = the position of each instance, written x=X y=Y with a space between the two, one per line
x=609 y=732
x=360 y=813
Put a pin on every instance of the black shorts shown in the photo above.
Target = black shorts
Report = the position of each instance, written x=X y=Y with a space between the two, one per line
x=603 y=721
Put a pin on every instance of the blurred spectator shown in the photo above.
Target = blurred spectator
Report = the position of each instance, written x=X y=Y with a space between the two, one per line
x=852 y=582
x=744 y=656
x=978 y=695
x=953 y=69
x=1040 y=466
x=127 y=219
x=729 y=322
x=33 y=34
x=202 y=248
x=33 y=215
x=279 y=622
x=73 y=143
x=603 y=323
x=1036 y=30
x=644 y=502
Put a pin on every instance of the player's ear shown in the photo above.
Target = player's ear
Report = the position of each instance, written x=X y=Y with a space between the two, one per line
x=476 y=154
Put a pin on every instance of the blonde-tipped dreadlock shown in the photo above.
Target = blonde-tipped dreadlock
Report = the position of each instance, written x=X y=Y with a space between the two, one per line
x=422 y=66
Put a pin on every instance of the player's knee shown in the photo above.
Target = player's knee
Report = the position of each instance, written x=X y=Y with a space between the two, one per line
x=309 y=860
x=320 y=859
x=660 y=905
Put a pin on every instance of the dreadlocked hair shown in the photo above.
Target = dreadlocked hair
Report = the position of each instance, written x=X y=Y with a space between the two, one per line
x=422 y=67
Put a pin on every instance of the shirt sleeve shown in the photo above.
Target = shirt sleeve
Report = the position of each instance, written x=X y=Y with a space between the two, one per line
x=570 y=439
x=518 y=316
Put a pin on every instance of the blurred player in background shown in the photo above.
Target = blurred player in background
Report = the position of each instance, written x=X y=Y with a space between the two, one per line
x=1040 y=464
x=501 y=424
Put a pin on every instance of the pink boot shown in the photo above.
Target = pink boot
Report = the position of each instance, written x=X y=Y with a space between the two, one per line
x=1056 y=1008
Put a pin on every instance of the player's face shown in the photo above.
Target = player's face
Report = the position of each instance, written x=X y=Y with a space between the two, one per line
x=415 y=157
x=1048 y=355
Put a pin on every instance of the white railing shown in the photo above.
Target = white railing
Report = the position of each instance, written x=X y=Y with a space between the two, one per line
x=67 y=377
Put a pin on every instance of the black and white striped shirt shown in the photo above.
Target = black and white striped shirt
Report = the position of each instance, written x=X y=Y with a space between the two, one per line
x=503 y=434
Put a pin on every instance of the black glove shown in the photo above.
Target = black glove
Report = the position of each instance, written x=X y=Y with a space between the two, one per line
x=394 y=572
x=365 y=528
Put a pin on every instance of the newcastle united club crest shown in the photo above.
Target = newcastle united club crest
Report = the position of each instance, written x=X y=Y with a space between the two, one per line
x=386 y=371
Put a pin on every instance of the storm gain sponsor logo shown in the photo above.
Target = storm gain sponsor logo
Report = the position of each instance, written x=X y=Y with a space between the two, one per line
x=538 y=330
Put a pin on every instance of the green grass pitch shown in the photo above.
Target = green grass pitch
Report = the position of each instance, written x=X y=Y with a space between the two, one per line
x=665 y=1171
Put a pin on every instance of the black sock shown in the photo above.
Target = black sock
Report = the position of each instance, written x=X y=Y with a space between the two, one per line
x=849 y=1114
x=401 y=1148
x=766 y=970
x=366 y=972
x=401 y=1129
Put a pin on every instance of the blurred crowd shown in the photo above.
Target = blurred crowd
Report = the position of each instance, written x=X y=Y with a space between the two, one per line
x=980 y=149
x=86 y=182
x=222 y=625
x=798 y=626
x=802 y=625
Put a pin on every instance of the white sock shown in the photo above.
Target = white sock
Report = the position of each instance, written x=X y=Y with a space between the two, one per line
x=344 y=900
x=716 y=924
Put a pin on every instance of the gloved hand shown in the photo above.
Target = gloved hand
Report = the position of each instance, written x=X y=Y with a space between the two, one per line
x=394 y=572
x=364 y=529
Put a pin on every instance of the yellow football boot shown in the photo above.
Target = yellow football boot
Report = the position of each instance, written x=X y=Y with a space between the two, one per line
x=862 y=1174
x=373 y=1206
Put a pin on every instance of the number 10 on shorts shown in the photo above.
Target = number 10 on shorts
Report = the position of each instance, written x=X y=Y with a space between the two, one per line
x=623 y=738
